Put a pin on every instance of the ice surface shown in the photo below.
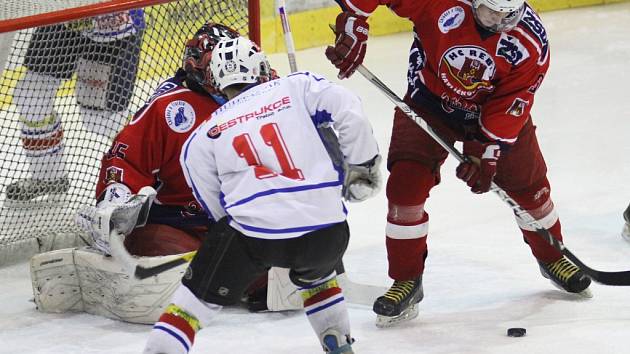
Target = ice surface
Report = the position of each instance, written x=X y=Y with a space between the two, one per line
x=480 y=277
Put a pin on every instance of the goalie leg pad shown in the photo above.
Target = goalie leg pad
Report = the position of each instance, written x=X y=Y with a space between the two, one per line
x=85 y=280
x=55 y=281
x=282 y=294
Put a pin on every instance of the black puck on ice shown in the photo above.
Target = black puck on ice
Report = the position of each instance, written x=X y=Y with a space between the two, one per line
x=516 y=332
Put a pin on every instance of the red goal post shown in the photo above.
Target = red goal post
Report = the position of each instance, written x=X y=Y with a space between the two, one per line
x=52 y=106
x=41 y=13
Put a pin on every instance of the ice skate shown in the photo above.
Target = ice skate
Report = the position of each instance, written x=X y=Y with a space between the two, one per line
x=336 y=343
x=626 y=227
x=28 y=189
x=399 y=304
x=566 y=276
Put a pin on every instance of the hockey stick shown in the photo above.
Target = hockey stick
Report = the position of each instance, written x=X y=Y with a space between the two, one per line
x=607 y=278
x=357 y=293
x=288 y=36
x=141 y=272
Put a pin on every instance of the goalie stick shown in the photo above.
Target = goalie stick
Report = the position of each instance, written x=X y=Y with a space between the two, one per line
x=620 y=278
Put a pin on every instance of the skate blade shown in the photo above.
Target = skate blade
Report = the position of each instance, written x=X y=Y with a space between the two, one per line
x=407 y=315
x=586 y=293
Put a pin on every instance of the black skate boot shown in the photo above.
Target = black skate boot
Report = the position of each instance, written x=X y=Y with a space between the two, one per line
x=399 y=304
x=566 y=276
x=626 y=227
x=336 y=343
x=27 y=189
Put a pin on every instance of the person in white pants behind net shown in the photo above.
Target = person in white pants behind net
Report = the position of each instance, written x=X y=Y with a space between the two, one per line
x=260 y=167
x=103 y=52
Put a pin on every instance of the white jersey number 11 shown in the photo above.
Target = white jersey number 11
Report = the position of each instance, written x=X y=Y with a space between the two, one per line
x=272 y=137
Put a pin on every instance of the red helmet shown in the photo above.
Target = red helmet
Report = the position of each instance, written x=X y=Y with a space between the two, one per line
x=198 y=53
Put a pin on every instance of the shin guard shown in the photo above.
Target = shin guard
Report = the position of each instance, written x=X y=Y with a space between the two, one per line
x=537 y=201
x=408 y=188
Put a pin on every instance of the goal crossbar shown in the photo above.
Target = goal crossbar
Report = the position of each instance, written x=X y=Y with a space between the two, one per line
x=39 y=13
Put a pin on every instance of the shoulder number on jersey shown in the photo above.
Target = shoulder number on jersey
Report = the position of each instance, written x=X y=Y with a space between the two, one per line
x=533 y=23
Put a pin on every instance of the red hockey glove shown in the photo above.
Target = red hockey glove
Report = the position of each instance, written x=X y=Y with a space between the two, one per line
x=350 y=43
x=478 y=173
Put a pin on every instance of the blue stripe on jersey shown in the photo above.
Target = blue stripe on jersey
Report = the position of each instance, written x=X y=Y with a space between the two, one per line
x=288 y=230
x=193 y=187
x=284 y=190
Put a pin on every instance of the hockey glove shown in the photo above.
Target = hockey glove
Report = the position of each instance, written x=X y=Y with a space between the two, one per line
x=350 y=43
x=362 y=181
x=479 y=172
x=122 y=217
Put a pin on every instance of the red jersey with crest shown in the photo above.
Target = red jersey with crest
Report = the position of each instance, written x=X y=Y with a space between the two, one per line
x=146 y=152
x=470 y=74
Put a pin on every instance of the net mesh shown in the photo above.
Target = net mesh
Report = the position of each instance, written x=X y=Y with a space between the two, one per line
x=65 y=91
x=23 y=8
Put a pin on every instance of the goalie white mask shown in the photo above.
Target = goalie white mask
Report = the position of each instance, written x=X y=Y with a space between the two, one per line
x=498 y=15
x=238 y=61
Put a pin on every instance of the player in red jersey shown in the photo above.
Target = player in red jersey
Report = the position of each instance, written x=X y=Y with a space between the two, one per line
x=474 y=68
x=145 y=153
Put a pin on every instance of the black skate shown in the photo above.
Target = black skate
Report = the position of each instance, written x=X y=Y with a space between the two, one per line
x=566 y=276
x=28 y=189
x=626 y=227
x=399 y=304
x=336 y=343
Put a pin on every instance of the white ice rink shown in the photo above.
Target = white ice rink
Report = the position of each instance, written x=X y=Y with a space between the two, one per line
x=480 y=277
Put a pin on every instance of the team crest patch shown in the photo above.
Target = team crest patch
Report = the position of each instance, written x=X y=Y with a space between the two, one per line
x=180 y=116
x=451 y=19
x=467 y=70
x=518 y=107
x=113 y=175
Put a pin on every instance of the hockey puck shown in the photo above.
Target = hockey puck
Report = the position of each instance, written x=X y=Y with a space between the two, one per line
x=516 y=332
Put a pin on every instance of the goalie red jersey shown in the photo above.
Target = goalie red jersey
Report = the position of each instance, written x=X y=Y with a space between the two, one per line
x=465 y=73
x=146 y=152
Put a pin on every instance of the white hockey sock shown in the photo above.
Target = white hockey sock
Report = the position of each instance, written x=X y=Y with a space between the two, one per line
x=175 y=330
x=325 y=307
x=42 y=134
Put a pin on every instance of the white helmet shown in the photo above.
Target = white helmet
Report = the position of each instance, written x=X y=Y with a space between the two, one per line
x=498 y=15
x=238 y=61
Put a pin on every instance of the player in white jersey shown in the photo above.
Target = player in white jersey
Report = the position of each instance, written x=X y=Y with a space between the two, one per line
x=260 y=167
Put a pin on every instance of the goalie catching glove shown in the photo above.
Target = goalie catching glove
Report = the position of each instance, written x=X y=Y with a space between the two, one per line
x=122 y=217
x=362 y=181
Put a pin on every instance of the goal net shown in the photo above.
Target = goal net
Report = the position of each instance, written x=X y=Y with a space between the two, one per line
x=68 y=84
